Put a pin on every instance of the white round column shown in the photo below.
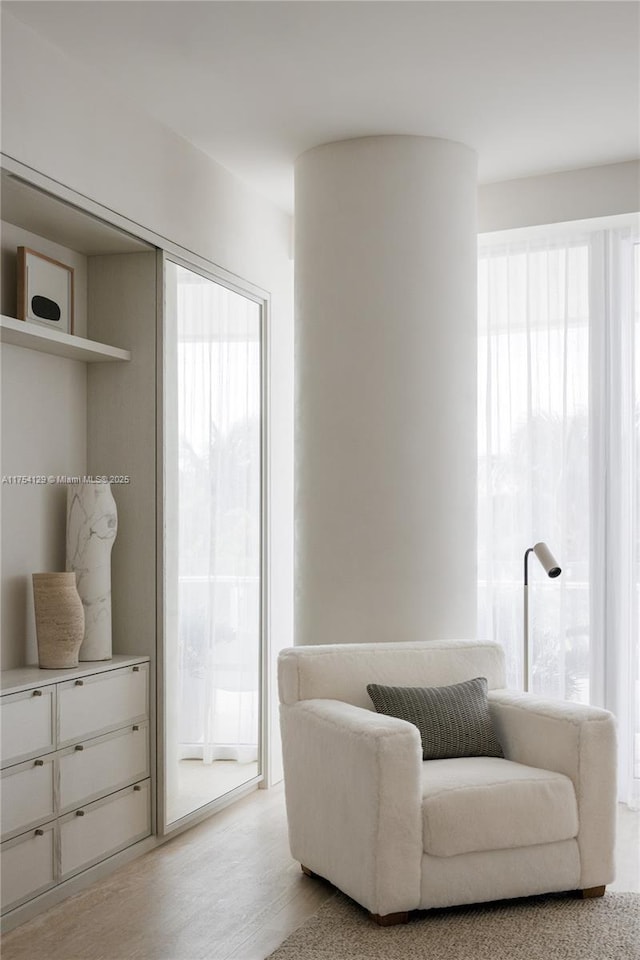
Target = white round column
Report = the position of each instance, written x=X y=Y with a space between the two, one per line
x=385 y=366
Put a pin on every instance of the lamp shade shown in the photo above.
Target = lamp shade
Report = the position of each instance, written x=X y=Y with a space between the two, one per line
x=547 y=559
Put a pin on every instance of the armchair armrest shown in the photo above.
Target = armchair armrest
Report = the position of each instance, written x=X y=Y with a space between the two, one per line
x=580 y=742
x=353 y=793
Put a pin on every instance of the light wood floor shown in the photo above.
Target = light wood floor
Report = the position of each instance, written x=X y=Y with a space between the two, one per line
x=226 y=889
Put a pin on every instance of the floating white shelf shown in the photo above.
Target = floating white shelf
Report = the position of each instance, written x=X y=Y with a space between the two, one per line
x=30 y=335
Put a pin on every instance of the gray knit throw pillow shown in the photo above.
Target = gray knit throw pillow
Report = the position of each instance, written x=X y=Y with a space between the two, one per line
x=453 y=721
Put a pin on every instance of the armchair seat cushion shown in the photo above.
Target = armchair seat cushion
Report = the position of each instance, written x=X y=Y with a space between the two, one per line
x=473 y=804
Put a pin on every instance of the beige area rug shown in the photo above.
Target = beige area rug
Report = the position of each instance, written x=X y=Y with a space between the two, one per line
x=538 y=928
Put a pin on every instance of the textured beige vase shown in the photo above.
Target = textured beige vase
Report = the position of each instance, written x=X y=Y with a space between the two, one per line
x=59 y=619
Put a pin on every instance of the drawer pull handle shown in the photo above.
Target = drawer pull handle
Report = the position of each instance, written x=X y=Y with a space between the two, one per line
x=79 y=683
x=79 y=746
x=136 y=727
x=39 y=763
x=37 y=693
x=39 y=833
x=137 y=787
x=136 y=669
x=79 y=813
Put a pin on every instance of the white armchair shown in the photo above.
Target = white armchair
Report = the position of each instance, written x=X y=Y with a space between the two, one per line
x=397 y=833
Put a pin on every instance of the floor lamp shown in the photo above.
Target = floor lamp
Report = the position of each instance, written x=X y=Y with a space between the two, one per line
x=552 y=570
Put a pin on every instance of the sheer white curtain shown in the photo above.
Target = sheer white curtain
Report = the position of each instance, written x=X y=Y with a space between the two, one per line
x=558 y=461
x=616 y=297
x=213 y=468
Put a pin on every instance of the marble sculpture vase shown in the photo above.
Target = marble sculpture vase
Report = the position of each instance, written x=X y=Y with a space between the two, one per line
x=59 y=619
x=92 y=524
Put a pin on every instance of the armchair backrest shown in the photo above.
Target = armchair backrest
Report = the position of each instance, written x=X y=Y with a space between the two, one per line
x=341 y=671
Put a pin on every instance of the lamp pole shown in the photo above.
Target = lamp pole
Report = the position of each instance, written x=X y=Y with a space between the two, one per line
x=552 y=569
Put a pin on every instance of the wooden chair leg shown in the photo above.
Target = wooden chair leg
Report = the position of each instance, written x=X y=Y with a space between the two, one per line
x=390 y=919
x=592 y=892
x=309 y=873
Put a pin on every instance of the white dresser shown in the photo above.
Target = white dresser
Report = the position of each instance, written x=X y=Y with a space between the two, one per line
x=75 y=771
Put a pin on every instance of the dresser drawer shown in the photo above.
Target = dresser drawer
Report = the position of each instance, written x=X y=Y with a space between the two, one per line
x=103 y=765
x=28 y=726
x=104 y=827
x=27 y=795
x=102 y=702
x=28 y=865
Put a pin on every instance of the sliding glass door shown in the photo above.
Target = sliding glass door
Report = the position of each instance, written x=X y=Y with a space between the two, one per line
x=213 y=542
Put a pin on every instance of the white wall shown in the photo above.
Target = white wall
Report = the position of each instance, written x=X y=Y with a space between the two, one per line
x=583 y=194
x=60 y=120
x=44 y=415
x=43 y=429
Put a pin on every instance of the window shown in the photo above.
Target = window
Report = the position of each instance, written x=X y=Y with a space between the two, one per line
x=558 y=448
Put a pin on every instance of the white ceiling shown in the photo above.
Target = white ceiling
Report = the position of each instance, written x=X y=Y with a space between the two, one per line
x=534 y=87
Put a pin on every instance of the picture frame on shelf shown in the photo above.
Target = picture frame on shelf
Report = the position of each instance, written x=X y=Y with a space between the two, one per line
x=45 y=291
